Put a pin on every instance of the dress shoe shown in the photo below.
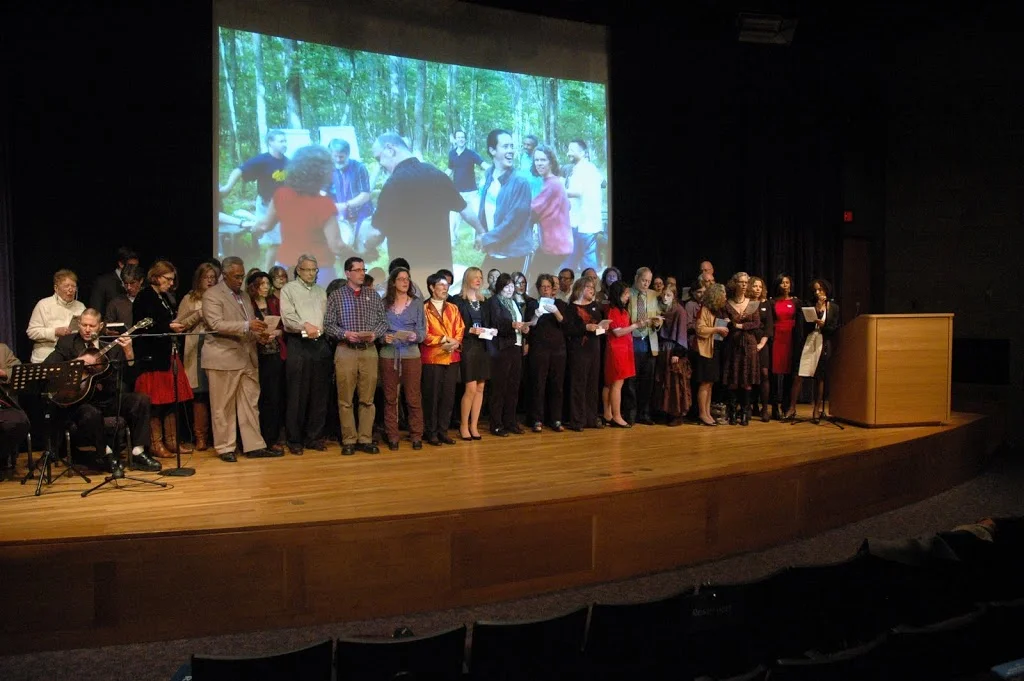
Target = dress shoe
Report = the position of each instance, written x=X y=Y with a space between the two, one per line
x=705 y=423
x=477 y=437
x=393 y=445
x=433 y=440
x=537 y=427
x=319 y=445
x=263 y=454
x=515 y=430
x=144 y=462
x=645 y=420
x=467 y=438
x=369 y=448
x=615 y=424
x=764 y=414
x=575 y=429
x=599 y=423
x=677 y=421
x=417 y=444
x=499 y=432
x=295 y=449
x=445 y=439
x=557 y=427
x=348 y=450
x=277 y=447
x=228 y=457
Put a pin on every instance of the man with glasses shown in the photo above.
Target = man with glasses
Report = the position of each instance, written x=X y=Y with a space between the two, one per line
x=308 y=367
x=52 y=317
x=355 y=318
x=565 y=281
x=229 y=357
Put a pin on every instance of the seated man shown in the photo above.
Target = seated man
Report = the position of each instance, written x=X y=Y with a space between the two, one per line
x=102 y=400
x=14 y=425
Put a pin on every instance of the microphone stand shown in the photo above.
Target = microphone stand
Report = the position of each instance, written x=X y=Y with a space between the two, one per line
x=177 y=471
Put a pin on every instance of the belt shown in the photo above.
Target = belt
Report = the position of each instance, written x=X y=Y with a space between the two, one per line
x=362 y=345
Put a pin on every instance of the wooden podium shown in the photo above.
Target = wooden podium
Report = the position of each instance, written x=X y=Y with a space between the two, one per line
x=893 y=370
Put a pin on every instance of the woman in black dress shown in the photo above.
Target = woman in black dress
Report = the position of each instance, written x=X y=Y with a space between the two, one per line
x=506 y=351
x=476 y=363
x=740 y=366
x=580 y=322
x=816 y=352
x=758 y=292
x=545 y=378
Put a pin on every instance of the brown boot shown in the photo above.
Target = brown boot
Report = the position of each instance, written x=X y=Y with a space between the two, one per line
x=171 y=434
x=156 y=439
x=201 y=418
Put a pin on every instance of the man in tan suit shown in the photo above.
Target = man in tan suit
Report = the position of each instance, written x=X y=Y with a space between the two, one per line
x=229 y=357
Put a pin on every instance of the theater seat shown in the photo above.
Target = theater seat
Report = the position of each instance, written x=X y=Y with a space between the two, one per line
x=308 y=664
x=438 y=657
x=541 y=650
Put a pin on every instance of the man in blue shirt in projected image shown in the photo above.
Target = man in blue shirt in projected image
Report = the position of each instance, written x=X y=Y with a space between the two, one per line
x=504 y=208
x=268 y=171
x=350 y=190
x=462 y=163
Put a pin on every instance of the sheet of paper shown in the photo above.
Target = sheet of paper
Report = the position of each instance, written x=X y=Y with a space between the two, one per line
x=405 y=335
x=272 y=321
x=810 y=314
x=366 y=336
x=599 y=331
x=488 y=334
x=723 y=323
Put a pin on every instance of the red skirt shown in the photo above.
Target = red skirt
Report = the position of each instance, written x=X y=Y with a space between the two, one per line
x=159 y=385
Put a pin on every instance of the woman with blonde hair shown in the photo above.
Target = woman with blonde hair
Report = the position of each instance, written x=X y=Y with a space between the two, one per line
x=190 y=317
x=160 y=375
x=476 y=363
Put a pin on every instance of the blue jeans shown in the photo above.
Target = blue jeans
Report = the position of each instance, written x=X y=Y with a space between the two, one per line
x=584 y=252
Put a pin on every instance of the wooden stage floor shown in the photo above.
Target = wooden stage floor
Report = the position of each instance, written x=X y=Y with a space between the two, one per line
x=322 y=537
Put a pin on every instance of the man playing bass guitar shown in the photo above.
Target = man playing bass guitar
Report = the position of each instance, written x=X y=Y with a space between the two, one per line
x=102 y=399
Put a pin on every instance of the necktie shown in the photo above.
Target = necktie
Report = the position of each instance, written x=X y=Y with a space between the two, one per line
x=641 y=312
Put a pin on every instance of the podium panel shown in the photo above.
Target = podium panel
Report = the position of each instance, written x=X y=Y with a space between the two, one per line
x=893 y=370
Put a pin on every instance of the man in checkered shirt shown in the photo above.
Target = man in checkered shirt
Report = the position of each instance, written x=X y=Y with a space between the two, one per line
x=355 y=318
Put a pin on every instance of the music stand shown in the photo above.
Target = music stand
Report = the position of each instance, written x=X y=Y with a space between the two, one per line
x=45 y=380
x=116 y=469
x=177 y=471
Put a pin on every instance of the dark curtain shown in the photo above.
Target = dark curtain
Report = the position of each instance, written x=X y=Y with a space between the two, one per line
x=728 y=152
x=6 y=241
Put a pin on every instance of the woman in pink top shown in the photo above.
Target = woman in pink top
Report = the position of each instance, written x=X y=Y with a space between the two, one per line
x=551 y=210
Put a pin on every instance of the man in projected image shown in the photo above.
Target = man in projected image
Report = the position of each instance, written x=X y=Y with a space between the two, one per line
x=583 y=187
x=504 y=209
x=350 y=187
x=462 y=163
x=530 y=143
x=414 y=206
x=268 y=171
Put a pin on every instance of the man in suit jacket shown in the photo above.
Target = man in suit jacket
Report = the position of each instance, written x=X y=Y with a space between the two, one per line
x=109 y=286
x=229 y=357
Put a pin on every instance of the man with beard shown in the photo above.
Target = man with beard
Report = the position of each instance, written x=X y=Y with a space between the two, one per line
x=414 y=207
x=504 y=209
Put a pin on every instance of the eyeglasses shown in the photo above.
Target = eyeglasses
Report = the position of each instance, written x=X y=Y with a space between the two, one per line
x=167 y=277
x=357 y=269
x=308 y=269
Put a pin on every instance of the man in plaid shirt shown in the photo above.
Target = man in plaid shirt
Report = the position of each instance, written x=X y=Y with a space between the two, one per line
x=355 y=318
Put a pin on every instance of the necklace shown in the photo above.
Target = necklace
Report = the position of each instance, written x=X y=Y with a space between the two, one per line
x=475 y=304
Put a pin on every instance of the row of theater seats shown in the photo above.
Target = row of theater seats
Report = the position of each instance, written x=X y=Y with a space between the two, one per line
x=928 y=610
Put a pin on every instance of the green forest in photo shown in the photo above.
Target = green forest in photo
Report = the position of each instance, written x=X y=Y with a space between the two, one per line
x=267 y=82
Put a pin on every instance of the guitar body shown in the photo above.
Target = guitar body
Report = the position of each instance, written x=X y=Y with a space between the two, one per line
x=96 y=365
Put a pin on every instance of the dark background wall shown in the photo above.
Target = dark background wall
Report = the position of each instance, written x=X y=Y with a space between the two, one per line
x=744 y=154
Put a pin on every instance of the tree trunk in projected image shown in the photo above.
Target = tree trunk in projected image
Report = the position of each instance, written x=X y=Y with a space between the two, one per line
x=452 y=90
x=292 y=84
x=516 y=125
x=230 y=70
x=551 y=112
x=397 y=78
x=261 y=91
x=347 y=66
x=471 y=132
x=420 y=134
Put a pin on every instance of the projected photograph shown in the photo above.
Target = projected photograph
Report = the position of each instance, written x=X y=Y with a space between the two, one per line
x=337 y=152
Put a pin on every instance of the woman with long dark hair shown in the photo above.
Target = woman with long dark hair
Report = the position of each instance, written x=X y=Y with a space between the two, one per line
x=545 y=364
x=399 y=360
x=506 y=351
x=271 y=354
x=672 y=393
x=816 y=352
x=618 y=356
x=786 y=343
x=551 y=212
x=708 y=369
x=158 y=377
x=759 y=293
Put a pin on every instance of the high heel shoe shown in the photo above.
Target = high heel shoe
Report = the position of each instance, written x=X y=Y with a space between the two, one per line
x=615 y=424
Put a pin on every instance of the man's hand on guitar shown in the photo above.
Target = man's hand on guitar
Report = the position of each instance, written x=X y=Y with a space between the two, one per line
x=126 y=345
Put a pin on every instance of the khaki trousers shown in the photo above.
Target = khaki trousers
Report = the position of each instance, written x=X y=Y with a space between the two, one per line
x=356 y=370
x=234 y=403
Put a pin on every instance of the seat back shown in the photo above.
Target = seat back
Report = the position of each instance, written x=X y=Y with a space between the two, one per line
x=636 y=640
x=309 y=664
x=540 y=650
x=862 y=663
x=944 y=650
x=438 y=657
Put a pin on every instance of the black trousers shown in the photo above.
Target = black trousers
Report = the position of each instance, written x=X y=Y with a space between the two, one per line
x=545 y=381
x=308 y=374
x=584 y=391
x=439 y=381
x=271 y=390
x=88 y=419
x=506 y=373
x=636 y=398
x=14 y=427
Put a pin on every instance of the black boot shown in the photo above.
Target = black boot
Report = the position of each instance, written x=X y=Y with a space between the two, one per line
x=745 y=415
x=776 y=414
x=730 y=409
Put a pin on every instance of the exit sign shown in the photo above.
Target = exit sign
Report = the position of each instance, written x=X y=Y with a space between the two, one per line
x=847 y=216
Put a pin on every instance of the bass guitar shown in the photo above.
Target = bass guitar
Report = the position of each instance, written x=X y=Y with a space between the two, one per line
x=96 y=364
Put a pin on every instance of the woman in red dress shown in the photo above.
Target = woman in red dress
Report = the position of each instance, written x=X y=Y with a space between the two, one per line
x=785 y=342
x=618 y=357
x=159 y=375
